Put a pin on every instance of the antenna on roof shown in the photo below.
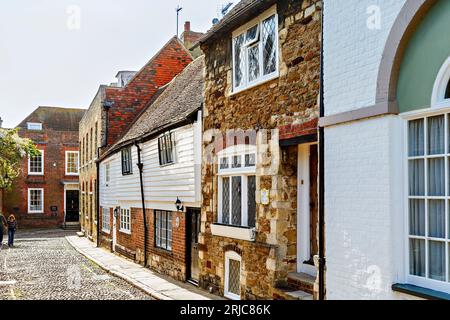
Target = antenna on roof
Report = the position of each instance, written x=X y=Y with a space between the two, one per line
x=226 y=8
x=178 y=9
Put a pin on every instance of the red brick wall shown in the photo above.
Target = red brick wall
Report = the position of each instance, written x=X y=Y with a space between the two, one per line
x=172 y=263
x=130 y=100
x=54 y=144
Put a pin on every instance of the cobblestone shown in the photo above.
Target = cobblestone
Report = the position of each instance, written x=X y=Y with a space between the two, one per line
x=44 y=266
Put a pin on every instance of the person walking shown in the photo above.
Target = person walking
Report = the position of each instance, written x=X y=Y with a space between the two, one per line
x=2 y=226
x=12 y=227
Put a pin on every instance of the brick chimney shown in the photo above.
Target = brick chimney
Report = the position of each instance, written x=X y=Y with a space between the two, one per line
x=190 y=39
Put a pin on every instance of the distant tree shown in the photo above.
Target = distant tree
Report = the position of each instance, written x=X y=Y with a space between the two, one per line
x=12 y=150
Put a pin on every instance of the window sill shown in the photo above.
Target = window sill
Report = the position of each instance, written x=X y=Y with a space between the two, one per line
x=106 y=231
x=125 y=232
x=255 y=84
x=420 y=292
x=234 y=232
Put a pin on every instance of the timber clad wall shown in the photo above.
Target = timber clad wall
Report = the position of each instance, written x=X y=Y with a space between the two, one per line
x=288 y=103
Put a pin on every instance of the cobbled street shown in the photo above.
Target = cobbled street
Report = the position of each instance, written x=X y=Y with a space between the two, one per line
x=44 y=266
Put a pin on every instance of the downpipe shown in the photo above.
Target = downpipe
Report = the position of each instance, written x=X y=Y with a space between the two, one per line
x=144 y=214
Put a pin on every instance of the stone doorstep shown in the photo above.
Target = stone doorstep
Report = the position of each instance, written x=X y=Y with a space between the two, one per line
x=292 y=294
x=302 y=282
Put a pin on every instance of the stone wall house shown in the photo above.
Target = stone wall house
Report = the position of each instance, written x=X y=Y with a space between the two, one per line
x=46 y=194
x=387 y=104
x=259 y=174
x=113 y=110
x=152 y=167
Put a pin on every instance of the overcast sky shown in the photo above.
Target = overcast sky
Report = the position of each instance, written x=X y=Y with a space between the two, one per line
x=57 y=52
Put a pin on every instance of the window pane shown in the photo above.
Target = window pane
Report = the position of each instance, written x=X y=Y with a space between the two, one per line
x=447 y=91
x=236 y=162
x=417 y=257
x=234 y=275
x=226 y=201
x=250 y=160
x=252 y=34
x=269 y=47
x=253 y=63
x=436 y=218
x=437 y=260
x=236 y=201
x=416 y=178
x=239 y=61
x=417 y=217
x=416 y=138
x=436 y=140
x=251 y=192
x=436 y=177
x=224 y=163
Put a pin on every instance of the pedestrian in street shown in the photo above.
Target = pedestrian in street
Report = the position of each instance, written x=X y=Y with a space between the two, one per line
x=12 y=227
x=2 y=227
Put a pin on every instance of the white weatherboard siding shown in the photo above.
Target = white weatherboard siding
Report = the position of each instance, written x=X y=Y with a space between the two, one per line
x=162 y=184
x=352 y=51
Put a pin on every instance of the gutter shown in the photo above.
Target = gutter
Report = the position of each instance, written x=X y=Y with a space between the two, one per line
x=322 y=259
x=144 y=214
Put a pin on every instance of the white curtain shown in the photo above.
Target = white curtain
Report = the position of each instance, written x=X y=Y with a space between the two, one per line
x=417 y=177
x=436 y=177
x=437 y=260
x=416 y=138
x=417 y=217
x=436 y=135
x=417 y=257
x=436 y=219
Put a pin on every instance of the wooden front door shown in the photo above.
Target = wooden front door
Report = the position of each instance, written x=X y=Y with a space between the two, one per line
x=193 y=230
x=72 y=206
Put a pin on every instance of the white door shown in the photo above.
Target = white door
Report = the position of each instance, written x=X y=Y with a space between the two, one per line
x=305 y=207
x=114 y=231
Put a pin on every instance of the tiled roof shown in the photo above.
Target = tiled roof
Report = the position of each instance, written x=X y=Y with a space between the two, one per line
x=176 y=102
x=239 y=14
x=56 y=118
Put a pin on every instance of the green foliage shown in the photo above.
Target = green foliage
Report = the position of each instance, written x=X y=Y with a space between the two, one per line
x=12 y=150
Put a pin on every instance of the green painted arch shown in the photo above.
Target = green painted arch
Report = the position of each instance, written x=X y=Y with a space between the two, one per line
x=424 y=56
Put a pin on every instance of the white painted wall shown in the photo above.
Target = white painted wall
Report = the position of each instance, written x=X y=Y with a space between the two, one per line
x=352 y=51
x=162 y=185
x=364 y=165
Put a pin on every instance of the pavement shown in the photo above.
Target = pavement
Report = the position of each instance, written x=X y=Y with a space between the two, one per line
x=156 y=285
x=42 y=265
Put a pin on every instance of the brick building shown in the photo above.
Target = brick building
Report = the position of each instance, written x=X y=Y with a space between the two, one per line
x=112 y=111
x=154 y=164
x=47 y=194
x=259 y=174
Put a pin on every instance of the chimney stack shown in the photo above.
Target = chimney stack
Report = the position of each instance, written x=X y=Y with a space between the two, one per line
x=187 y=26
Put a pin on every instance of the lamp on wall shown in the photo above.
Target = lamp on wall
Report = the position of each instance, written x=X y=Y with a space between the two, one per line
x=179 y=205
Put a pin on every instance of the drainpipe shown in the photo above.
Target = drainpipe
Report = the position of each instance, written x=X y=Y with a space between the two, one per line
x=322 y=259
x=141 y=170
x=97 y=196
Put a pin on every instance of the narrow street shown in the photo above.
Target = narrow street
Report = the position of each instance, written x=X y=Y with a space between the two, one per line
x=43 y=266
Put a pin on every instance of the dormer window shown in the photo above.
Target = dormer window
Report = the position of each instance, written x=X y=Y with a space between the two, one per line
x=34 y=126
x=255 y=51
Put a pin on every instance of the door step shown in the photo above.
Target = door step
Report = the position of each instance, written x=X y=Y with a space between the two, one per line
x=71 y=226
x=291 y=294
x=301 y=282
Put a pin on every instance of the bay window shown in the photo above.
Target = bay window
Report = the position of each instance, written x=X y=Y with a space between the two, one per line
x=429 y=201
x=255 y=51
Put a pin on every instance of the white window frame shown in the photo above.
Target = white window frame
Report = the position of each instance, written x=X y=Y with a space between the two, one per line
x=106 y=227
x=440 y=86
x=29 y=201
x=157 y=228
x=443 y=286
x=77 y=164
x=41 y=173
x=173 y=137
x=243 y=29
x=243 y=172
x=231 y=255
x=124 y=226
x=34 y=126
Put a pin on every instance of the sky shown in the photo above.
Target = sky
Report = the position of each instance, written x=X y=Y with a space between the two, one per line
x=58 y=52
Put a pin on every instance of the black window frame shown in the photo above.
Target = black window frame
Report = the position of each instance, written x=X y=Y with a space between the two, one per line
x=166 y=149
x=127 y=161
